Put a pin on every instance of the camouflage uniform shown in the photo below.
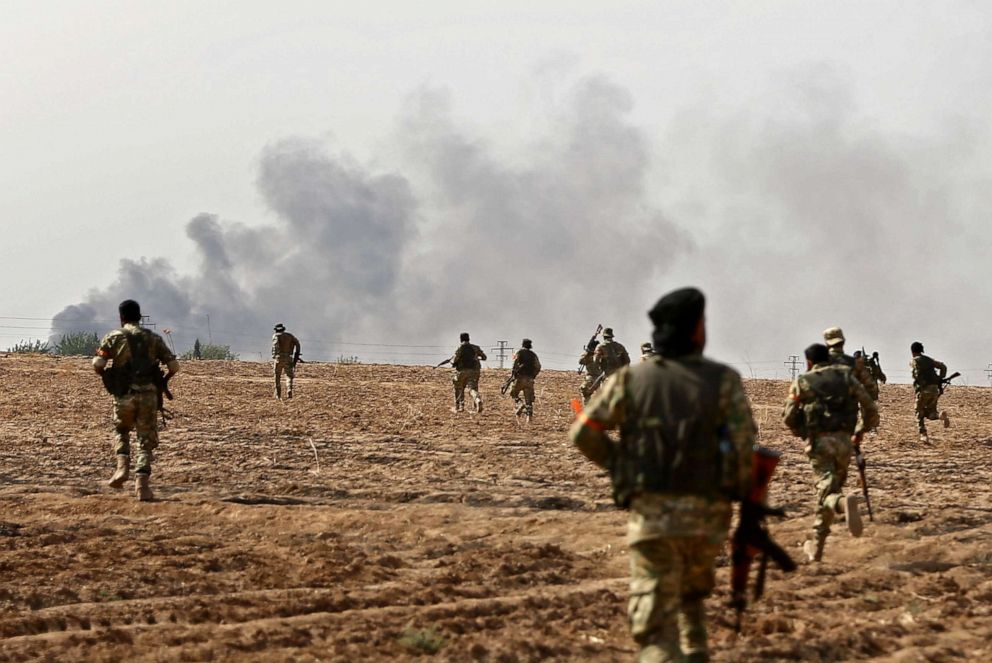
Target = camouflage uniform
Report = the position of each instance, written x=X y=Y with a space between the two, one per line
x=467 y=365
x=829 y=435
x=526 y=366
x=927 y=376
x=834 y=338
x=593 y=371
x=647 y=351
x=674 y=535
x=875 y=368
x=138 y=409
x=285 y=353
x=611 y=356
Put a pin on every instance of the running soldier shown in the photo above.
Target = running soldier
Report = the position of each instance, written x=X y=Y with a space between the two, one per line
x=134 y=378
x=526 y=367
x=285 y=355
x=680 y=504
x=822 y=408
x=834 y=339
x=928 y=382
x=467 y=365
x=593 y=371
x=647 y=351
x=610 y=355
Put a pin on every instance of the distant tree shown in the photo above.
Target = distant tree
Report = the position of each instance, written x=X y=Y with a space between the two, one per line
x=210 y=351
x=27 y=347
x=197 y=350
x=353 y=359
x=78 y=343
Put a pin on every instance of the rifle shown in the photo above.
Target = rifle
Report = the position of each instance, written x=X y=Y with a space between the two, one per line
x=751 y=536
x=595 y=383
x=859 y=459
x=509 y=381
x=947 y=381
x=298 y=360
x=446 y=361
x=161 y=383
x=591 y=345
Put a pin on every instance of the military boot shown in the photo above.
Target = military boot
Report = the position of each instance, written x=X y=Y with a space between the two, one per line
x=122 y=473
x=478 y=404
x=520 y=407
x=813 y=550
x=141 y=489
x=924 y=438
x=945 y=419
x=849 y=507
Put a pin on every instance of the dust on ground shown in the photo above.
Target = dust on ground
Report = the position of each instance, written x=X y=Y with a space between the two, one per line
x=363 y=520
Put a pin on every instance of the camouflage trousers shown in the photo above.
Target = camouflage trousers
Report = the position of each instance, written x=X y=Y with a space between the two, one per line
x=280 y=365
x=829 y=456
x=137 y=412
x=526 y=385
x=926 y=404
x=463 y=379
x=669 y=579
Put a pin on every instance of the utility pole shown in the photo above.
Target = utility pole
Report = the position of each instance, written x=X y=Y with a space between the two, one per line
x=503 y=351
x=988 y=373
x=793 y=365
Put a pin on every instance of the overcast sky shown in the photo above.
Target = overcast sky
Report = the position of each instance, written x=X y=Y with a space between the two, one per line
x=397 y=172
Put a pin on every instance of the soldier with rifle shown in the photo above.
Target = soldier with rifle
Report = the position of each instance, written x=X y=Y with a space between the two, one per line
x=468 y=367
x=610 y=355
x=822 y=408
x=587 y=361
x=684 y=454
x=834 y=338
x=285 y=356
x=929 y=383
x=526 y=366
x=137 y=384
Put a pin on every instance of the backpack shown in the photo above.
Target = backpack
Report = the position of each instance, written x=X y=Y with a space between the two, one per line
x=832 y=409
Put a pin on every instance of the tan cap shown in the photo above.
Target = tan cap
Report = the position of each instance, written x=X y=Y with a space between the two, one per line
x=833 y=336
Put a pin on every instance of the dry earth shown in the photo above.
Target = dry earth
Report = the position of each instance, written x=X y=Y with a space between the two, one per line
x=362 y=519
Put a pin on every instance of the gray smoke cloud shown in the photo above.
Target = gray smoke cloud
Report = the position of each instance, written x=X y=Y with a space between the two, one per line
x=793 y=213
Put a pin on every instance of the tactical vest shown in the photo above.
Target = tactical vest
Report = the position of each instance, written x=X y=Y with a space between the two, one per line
x=841 y=359
x=611 y=354
x=466 y=358
x=526 y=363
x=284 y=342
x=926 y=371
x=674 y=438
x=139 y=369
x=832 y=408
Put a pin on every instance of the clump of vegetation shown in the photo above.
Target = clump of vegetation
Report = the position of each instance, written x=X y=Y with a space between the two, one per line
x=78 y=343
x=209 y=351
x=426 y=640
x=353 y=359
x=27 y=347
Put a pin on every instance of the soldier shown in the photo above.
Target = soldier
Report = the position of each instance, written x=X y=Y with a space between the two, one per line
x=593 y=371
x=680 y=504
x=134 y=378
x=834 y=339
x=526 y=366
x=928 y=376
x=875 y=368
x=285 y=354
x=610 y=355
x=467 y=367
x=823 y=408
x=647 y=351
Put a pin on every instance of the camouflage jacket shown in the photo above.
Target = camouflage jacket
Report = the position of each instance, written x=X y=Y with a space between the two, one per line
x=467 y=356
x=526 y=363
x=115 y=348
x=927 y=371
x=285 y=346
x=611 y=356
x=858 y=367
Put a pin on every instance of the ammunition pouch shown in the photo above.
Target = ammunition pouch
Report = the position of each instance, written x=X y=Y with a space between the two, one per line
x=116 y=381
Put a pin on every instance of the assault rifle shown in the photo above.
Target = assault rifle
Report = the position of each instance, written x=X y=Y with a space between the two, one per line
x=859 y=459
x=506 y=385
x=298 y=360
x=751 y=537
x=947 y=381
x=591 y=345
x=161 y=383
x=446 y=361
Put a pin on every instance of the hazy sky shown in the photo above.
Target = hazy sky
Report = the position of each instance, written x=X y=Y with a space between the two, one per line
x=397 y=172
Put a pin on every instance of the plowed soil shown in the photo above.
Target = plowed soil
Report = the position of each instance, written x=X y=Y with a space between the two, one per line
x=363 y=520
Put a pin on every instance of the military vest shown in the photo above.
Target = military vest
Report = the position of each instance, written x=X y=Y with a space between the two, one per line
x=612 y=358
x=926 y=371
x=137 y=367
x=841 y=359
x=466 y=358
x=284 y=342
x=831 y=408
x=526 y=363
x=674 y=437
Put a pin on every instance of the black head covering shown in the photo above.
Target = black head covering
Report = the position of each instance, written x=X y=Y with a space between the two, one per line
x=818 y=353
x=130 y=311
x=675 y=317
x=527 y=343
x=916 y=347
x=463 y=337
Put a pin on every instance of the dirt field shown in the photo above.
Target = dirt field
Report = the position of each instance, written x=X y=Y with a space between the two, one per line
x=364 y=521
